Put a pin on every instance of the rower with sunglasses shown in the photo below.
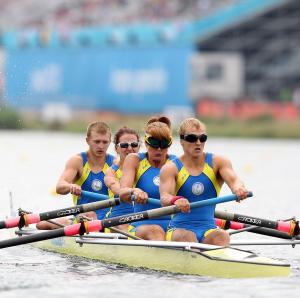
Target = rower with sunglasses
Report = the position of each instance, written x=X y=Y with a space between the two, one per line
x=197 y=175
x=126 y=141
x=141 y=177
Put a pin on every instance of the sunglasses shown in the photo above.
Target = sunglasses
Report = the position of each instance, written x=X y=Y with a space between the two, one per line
x=192 y=138
x=126 y=145
x=156 y=143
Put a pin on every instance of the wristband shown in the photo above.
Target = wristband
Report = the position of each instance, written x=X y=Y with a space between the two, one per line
x=175 y=198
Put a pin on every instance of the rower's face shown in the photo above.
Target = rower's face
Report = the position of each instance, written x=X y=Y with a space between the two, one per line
x=194 y=149
x=157 y=154
x=128 y=143
x=98 y=143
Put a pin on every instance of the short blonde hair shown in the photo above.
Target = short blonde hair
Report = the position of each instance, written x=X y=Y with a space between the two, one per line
x=98 y=127
x=190 y=123
x=159 y=127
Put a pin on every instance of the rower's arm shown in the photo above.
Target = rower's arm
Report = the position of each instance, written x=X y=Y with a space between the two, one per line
x=229 y=176
x=66 y=181
x=167 y=183
x=130 y=167
x=111 y=181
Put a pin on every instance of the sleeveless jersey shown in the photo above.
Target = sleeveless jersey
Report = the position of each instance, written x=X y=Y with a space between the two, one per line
x=147 y=179
x=93 y=182
x=197 y=188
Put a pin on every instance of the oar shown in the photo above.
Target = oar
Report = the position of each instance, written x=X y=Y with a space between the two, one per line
x=97 y=196
x=93 y=195
x=27 y=219
x=98 y=225
x=253 y=229
x=292 y=228
x=264 y=242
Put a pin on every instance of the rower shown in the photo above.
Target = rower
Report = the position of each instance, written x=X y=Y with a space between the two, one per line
x=141 y=177
x=197 y=175
x=85 y=171
x=126 y=141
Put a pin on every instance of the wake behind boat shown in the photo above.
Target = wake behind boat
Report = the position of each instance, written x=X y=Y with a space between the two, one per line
x=175 y=257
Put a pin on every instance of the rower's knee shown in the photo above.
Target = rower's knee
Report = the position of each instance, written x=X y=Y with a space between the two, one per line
x=181 y=235
x=218 y=237
x=151 y=232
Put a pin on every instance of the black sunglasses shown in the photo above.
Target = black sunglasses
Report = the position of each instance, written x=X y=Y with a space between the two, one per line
x=126 y=145
x=192 y=138
x=156 y=143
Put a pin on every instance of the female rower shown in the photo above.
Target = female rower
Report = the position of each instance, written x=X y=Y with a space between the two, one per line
x=141 y=177
x=126 y=141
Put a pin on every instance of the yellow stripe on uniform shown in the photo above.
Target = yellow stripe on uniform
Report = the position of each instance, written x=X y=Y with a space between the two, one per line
x=144 y=165
x=85 y=173
x=209 y=172
x=183 y=175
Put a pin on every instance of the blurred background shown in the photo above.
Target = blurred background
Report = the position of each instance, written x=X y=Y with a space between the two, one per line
x=232 y=63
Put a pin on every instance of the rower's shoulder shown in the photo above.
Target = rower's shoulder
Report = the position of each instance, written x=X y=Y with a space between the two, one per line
x=219 y=160
x=170 y=165
x=75 y=161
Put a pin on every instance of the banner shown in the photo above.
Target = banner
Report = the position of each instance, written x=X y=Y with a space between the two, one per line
x=124 y=79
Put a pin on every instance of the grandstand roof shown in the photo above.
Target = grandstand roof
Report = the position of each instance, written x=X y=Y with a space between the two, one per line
x=270 y=44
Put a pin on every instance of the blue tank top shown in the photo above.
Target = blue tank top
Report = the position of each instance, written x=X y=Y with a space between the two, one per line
x=196 y=188
x=93 y=182
x=147 y=179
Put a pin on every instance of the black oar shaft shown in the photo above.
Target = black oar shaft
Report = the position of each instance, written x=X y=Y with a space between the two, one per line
x=79 y=209
x=74 y=210
x=272 y=233
x=149 y=214
x=32 y=238
x=93 y=226
x=271 y=224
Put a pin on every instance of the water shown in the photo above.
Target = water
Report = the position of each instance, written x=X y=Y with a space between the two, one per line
x=31 y=164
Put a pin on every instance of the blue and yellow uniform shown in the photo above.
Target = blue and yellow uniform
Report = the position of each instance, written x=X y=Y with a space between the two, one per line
x=147 y=179
x=196 y=188
x=123 y=208
x=93 y=182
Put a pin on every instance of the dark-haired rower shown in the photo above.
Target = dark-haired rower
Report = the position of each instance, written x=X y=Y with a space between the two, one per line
x=126 y=141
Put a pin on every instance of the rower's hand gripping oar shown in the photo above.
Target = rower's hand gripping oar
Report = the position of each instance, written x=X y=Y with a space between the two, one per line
x=97 y=196
x=98 y=225
x=26 y=219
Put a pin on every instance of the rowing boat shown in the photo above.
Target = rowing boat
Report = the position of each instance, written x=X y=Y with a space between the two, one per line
x=175 y=257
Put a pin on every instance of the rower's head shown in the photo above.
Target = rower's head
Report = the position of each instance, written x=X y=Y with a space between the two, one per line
x=158 y=136
x=98 y=137
x=126 y=140
x=193 y=136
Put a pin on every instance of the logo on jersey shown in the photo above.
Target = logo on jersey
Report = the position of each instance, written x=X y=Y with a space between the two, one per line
x=96 y=185
x=197 y=188
x=156 y=180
